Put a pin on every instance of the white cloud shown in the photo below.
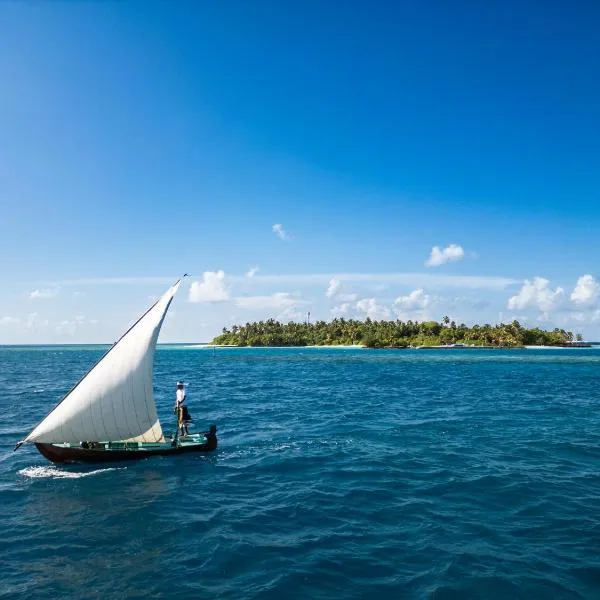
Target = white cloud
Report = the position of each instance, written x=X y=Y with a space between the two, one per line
x=291 y=313
x=428 y=280
x=279 y=300
x=341 y=310
x=586 y=291
x=438 y=256
x=252 y=272
x=9 y=320
x=583 y=316
x=71 y=326
x=34 y=322
x=416 y=300
x=333 y=288
x=44 y=293
x=67 y=326
x=372 y=309
x=414 y=305
x=537 y=294
x=516 y=317
x=212 y=288
x=280 y=232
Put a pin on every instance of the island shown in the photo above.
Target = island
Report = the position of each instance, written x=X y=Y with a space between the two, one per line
x=393 y=334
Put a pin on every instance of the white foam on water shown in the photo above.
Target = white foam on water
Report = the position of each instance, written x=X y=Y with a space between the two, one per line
x=546 y=348
x=198 y=346
x=50 y=472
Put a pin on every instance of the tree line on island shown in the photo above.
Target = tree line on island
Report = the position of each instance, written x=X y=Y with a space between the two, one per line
x=389 y=334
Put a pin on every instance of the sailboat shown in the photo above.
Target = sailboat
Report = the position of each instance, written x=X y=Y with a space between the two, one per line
x=110 y=414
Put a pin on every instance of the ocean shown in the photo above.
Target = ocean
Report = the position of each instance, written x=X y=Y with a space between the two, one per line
x=340 y=474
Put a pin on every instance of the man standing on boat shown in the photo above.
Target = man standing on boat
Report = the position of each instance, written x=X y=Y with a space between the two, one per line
x=183 y=415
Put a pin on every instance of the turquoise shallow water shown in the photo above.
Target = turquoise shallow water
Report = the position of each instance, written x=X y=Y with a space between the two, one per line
x=340 y=474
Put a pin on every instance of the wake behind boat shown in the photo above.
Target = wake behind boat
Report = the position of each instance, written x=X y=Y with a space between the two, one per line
x=110 y=414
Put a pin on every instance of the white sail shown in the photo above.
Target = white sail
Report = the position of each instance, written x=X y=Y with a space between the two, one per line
x=114 y=401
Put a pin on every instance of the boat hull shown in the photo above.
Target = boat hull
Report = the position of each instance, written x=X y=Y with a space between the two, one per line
x=70 y=455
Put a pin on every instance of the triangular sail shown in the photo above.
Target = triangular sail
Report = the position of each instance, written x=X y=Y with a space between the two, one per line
x=114 y=401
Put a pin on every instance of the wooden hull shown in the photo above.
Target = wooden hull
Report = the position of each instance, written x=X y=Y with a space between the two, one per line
x=69 y=455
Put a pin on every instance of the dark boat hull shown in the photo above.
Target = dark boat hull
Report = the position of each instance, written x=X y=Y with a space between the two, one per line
x=66 y=455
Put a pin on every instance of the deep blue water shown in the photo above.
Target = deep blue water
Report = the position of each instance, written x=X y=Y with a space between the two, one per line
x=340 y=474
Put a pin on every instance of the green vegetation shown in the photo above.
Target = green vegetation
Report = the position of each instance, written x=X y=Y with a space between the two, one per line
x=387 y=334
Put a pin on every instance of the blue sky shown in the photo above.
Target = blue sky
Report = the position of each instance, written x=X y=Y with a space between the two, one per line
x=140 y=140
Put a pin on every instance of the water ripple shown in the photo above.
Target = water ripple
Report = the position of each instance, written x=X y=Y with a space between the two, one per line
x=340 y=474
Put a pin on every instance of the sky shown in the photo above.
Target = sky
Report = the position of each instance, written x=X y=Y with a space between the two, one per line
x=383 y=159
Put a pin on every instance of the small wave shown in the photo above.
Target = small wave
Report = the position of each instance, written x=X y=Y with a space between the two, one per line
x=55 y=473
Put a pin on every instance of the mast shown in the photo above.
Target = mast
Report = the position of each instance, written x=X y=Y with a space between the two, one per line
x=114 y=399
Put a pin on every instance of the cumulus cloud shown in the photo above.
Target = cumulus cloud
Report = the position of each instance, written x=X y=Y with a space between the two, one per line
x=252 y=272
x=586 y=291
x=413 y=305
x=370 y=308
x=416 y=300
x=440 y=256
x=280 y=232
x=278 y=301
x=537 y=294
x=341 y=310
x=333 y=288
x=212 y=288
x=44 y=293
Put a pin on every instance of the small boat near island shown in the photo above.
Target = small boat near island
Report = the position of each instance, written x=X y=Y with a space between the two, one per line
x=110 y=414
